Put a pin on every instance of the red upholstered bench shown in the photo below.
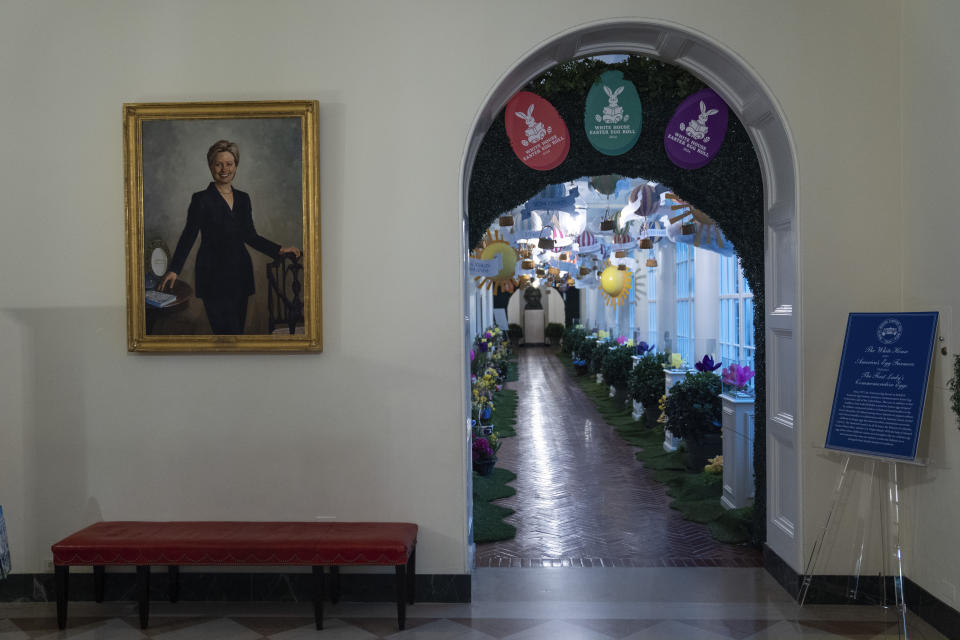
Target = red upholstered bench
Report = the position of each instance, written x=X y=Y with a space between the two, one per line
x=313 y=544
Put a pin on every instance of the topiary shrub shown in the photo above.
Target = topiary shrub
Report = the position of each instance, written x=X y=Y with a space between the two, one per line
x=694 y=408
x=585 y=351
x=554 y=331
x=573 y=339
x=616 y=368
x=646 y=381
x=597 y=356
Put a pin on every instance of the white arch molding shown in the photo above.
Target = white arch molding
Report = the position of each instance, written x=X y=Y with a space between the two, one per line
x=748 y=97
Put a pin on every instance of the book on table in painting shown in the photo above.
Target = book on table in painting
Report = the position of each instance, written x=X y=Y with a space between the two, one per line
x=159 y=299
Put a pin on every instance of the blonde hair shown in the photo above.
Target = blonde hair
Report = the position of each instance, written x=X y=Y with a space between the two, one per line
x=219 y=147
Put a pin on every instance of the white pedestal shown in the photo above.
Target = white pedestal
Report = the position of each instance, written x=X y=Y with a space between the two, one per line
x=533 y=326
x=737 y=452
x=636 y=360
x=672 y=377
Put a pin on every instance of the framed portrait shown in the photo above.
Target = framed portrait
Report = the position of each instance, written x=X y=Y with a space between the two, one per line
x=222 y=226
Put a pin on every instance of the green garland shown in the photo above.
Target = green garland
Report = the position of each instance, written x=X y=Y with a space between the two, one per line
x=729 y=189
x=954 y=385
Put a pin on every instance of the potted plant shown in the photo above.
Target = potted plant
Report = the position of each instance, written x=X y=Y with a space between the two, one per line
x=647 y=379
x=572 y=340
x=516 y=334
x=694 y=412
x=616 y=370
x=485 y=453
x=554 y=331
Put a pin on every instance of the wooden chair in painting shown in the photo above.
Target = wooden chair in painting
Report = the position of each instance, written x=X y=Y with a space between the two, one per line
x=285 y=296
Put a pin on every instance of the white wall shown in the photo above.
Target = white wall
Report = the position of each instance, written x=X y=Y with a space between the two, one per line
x=929 y=230
x=91 y=431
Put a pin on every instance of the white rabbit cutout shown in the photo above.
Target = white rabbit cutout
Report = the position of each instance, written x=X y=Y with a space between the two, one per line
x=535 y=131
x=613 y=112
x=697 y=129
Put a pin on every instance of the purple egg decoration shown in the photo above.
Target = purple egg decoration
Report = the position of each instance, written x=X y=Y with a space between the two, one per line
x=696 y=130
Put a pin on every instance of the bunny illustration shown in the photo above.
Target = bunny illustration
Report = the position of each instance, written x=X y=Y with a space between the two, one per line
x=697 y=129
x=535 y=131
x=613 y=112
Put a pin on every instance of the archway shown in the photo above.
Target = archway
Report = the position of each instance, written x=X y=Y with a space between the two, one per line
x=765 y=125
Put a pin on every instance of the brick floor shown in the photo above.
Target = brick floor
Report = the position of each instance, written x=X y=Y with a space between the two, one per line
x=583 y=500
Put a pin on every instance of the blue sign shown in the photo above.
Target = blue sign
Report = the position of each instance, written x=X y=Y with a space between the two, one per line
x=882 y=384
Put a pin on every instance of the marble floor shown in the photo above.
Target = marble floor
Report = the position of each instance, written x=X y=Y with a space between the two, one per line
x=690 y=603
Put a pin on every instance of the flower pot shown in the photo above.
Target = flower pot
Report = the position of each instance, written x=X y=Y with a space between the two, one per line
x=701 y=449
x=484 y=467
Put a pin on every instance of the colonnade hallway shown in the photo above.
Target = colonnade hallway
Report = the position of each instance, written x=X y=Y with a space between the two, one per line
x=582 y=498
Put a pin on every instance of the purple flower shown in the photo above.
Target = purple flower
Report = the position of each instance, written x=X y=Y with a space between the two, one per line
x=707 y=364
x=483 y=346
x=481 y=448
x=738 y=376
x=473 y=354
x=643 y=347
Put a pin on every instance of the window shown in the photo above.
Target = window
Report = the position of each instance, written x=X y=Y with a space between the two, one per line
x=736 y=314
x=685 y=317
x=652 y=303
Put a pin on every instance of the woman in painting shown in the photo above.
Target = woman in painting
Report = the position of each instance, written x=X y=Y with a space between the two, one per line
x=223 y=217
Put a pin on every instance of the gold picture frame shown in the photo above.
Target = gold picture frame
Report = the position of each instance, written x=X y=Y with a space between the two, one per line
x=271 y=199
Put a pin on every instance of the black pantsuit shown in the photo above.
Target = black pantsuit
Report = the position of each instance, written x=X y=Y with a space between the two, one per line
x=224 y=271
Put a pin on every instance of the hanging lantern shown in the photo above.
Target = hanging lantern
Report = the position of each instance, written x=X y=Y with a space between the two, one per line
x=651 y=262
x=584 y=271
x=645 y=243
x=687 y=229
x=608 y=225
x=621 y=267
x=523 y=281
x=541 y=273
x=527 y=264
x=553 y=271
x=564 y=257
x=506 y=221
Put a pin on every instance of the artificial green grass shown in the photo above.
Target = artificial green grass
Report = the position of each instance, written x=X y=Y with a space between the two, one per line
x=695 y=495
x=488 y=524
x=504 y=414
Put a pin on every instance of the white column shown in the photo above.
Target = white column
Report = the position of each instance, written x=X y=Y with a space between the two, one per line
x=737 y=452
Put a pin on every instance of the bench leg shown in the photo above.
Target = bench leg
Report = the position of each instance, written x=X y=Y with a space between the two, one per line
x=173 y=582
x=318 y=596
x=401 y=596
x=98 y=580
x=61 y=576
x=412 y=577
x=334 y=584
x=143 y=594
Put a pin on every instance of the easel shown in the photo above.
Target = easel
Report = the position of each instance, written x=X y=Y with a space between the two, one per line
x=888 y=504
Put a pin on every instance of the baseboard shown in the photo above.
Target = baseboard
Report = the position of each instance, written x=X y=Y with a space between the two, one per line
x=833 y=589
x=236 y=587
